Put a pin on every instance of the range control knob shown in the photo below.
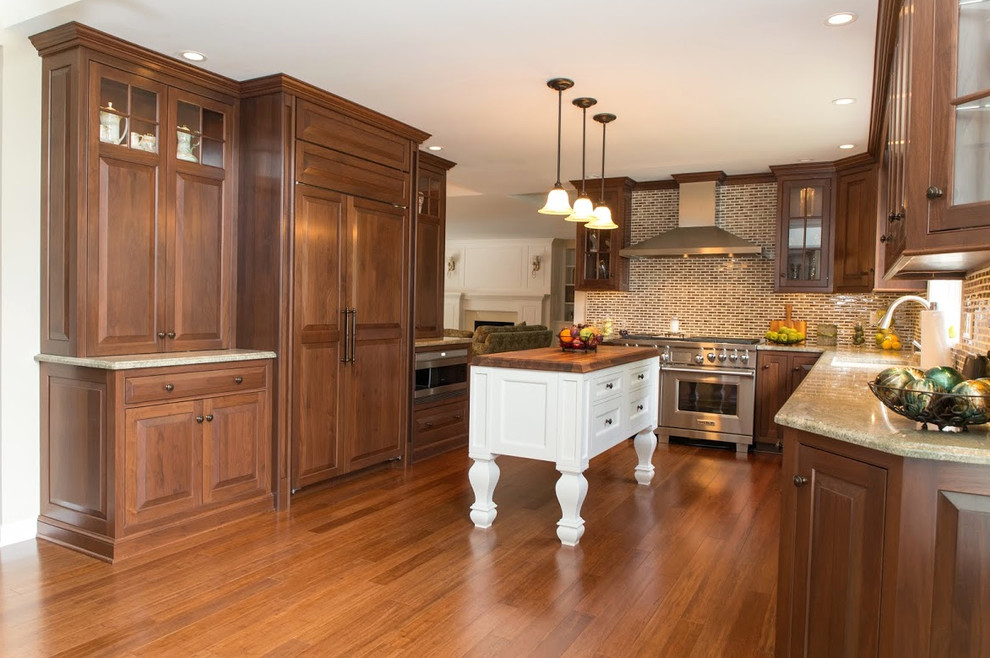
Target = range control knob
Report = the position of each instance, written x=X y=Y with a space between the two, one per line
x=711 y=357
x=665 y=357
x=745 y=357
x=734 y=356
x=699 y=359
x=722 y=356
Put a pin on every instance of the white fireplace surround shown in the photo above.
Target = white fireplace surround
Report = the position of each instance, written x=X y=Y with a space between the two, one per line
x=497 y=280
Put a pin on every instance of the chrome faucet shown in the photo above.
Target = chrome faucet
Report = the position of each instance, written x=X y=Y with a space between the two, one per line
x=888 y=317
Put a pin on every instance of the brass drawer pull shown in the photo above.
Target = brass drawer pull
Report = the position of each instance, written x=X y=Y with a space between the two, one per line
x=169 y=387
x=238 y=380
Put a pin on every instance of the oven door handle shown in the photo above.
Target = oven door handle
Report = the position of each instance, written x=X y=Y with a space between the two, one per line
x=741 y=373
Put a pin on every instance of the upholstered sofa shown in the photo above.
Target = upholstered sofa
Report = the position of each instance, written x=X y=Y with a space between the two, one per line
x=489 y=339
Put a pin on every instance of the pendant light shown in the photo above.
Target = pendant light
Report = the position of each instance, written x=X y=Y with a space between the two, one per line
x=558 y=203
x=603 y=215
x=583 y=209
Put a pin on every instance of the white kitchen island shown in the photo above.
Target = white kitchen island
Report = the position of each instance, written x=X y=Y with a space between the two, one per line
x=562 y=407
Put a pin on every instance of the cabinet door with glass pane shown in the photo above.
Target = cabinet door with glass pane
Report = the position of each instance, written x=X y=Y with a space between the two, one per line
x=126 y=204
x=959 y=192
x=804 y=237
x=198 y=160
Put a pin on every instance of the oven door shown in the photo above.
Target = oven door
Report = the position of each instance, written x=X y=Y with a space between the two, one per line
x=708 y=400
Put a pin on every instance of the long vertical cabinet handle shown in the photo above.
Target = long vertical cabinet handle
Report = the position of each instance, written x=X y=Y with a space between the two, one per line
x=353 y=335
x=345 y=313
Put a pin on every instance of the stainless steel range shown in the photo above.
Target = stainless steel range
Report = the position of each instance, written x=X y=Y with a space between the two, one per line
x=707 y=386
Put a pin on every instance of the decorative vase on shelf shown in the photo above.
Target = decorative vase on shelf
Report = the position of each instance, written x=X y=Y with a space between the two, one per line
x=185 y=145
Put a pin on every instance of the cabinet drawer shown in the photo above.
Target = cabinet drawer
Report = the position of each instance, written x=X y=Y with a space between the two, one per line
x=605 y=425
x=641 y=376
x=606 y=386
x=333 y=170
x=339 y=132
x=638 y=410
x=440 y=423
x=153 y=388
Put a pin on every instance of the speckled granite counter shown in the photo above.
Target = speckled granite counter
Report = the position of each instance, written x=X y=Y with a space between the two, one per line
x=158 y=360
x=834 y=401
x=808 y=347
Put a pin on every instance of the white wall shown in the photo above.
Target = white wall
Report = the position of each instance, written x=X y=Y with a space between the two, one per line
x=20 y=292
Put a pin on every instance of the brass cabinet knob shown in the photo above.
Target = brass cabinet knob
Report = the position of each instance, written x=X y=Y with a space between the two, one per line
x=161 y=334
x=171 y=334
x=800 y=480
x=169 y=387
x=199 y=419
x=209 y=417
x=934 y=192
x=238 y=380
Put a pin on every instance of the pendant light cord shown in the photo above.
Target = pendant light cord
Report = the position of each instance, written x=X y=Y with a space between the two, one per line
x=560 y=114
x=602 y=199
x=584 y=142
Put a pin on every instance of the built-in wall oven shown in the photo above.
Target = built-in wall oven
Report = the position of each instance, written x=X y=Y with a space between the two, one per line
x=707 y=388
x=440 y=372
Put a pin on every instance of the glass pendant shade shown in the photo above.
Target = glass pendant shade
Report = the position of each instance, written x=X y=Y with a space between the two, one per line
x=583 y=210
x=603 y=219
x=558 y=202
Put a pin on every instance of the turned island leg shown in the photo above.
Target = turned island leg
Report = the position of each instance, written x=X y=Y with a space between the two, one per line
x=483 y=476
x=571 y=491
x=645 y=443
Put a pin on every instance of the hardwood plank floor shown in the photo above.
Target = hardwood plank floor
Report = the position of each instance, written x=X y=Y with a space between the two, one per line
x=387 y=563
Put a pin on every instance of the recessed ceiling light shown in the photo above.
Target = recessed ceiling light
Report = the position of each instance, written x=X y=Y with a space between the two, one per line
x=435 y=148
x=842 y=18
x=806 y=160
x=844 y=101
x=846 y=147
x=193 y=56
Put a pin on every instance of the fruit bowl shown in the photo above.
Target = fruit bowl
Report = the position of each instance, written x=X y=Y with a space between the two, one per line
x=938 y=395
x=940 y=409
x=579 y=338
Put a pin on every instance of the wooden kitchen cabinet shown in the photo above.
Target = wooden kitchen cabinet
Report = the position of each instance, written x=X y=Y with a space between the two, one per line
x=333 y=296
x=938 y=197
x=431 y=207
x=805 y=207
x=778 y=374
x=881 y=555
x=439 y=426
x=855 y=226
x=833 y=522
x=598 y=265
x=136 y=459
x=137 y=199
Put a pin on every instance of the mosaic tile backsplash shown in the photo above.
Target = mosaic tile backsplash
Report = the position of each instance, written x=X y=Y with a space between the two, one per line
x=975 y=333
x=730 y=296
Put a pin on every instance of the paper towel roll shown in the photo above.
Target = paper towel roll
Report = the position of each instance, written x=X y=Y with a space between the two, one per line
x=935 y=350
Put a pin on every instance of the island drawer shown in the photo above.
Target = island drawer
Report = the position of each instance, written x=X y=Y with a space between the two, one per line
x=440 y=426
x=605 y=425
x=153 y=388
x=641 y=375
x=637 y=410
x=606 y=386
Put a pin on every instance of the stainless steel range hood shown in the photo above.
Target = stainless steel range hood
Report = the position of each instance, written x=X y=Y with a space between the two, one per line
x=696 y=233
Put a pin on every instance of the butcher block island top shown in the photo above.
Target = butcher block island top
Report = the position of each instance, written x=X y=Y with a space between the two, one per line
x=554 y=359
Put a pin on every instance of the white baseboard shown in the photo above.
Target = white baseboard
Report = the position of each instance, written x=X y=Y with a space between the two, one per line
x=18 y=531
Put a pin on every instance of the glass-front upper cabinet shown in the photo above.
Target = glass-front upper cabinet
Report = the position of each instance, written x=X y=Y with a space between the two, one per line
x=959 y=192
x=200 y=132
x=804 y=236
x=127 y=110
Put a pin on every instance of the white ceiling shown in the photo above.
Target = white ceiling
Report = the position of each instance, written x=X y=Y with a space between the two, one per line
x=717 y=84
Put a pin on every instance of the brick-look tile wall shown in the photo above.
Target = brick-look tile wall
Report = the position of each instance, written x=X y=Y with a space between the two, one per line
x=722 y=295
x=975 y=334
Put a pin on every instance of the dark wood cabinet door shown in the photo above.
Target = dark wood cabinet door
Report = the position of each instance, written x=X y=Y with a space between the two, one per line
x=800 y=365
x=162 y=461
x=125 y=306
x=429 y=278
x=377 y=378
x=838 y=554
x=198 y=271
x=855 y=230
x=317 y=333
x=598 y=264
x=234 y=453
x=772 y=382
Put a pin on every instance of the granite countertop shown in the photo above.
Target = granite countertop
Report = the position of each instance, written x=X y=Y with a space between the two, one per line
x=834 y=401
x=446 y=341
x=157 y=360
x=804 y=347
x=555 y=359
